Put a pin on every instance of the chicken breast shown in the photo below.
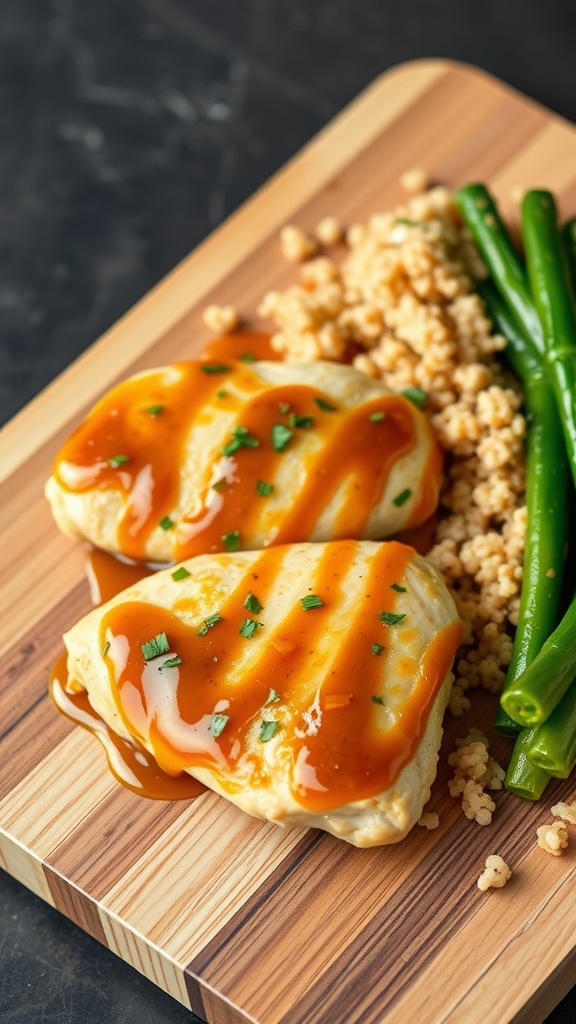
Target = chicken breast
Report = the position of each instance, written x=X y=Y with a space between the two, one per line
x=200 y=457
x=306 y=683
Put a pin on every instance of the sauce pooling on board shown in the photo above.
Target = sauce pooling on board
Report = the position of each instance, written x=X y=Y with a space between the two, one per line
x=130 y=763
x=214 y=693
x=135 y=442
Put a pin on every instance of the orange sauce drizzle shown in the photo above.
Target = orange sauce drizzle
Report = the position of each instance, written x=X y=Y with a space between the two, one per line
x=126 y=445
x=130 y=763
x=243 y=345
x=338 y=748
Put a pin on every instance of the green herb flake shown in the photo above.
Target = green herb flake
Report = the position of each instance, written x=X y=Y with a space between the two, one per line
x=398 y=588
x=181 y=573
x=157 y=645
x=218 y=724
x=208 y=623
x=304 y=422
x=106 y=648
x=284 y=407
x=252 y=603
x=377 y=417
x=166 y=523
x=264 y=489
x=267 y=730
x=391 y=618
x=249 y=627
x=377 y=700
x=248 y=357
x=415 y=395
x=377 y=649
x=281 y=436
x=241 y=438
x=155 y=410
x=408 y=223
x=171 y=662
x=273 y=697
x=118 y=460
x=220 y=484
x=231 y=541
x=324 y=405
x=214 y=368
x=222 y=393
x=311 y=601
x=402 y=498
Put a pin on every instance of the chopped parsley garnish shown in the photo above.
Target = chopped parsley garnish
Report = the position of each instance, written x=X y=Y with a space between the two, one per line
x=409 y=223
x=218 y=724
x=311 y=601
x=208 y=623
x=376 y=417
x=166 y=523
x=324 y=405
x=284 y=407
x=377 y=700
x=281 y=436
x=415 y=395
x=402 y=498
x=267 y=730
x=300 y=421
x=242 y=438
x=252 y=603
x=157 y=645
x=219 y=484
x=273 y=697
x=398 y=588
x=106 y=649
x=248 y=357
x=214 y=368
x=118 y=460
x=155 y=410
x=180 y=573
x=264 y=489
x=222 y=393
x=249 y=627
x=377 y=648
x=391 y=618
x=171 y=662
x=231 y=541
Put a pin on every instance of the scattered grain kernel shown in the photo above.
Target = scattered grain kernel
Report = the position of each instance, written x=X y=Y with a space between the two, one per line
x=296 y=245
x=429 y=820
x=414 y=180
x=329 y=231
x=566 y=811
x=221 y=319
x=495 y=875
x=553 y=838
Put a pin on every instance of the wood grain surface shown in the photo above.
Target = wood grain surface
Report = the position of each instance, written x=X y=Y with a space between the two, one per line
x=238 y=919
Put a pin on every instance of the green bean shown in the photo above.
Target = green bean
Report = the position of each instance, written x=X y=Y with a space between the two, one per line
x=553 y=744
x=551 y=288
x=524 y=777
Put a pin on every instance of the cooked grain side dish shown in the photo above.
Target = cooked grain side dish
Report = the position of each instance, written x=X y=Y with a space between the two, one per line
x=402 y=299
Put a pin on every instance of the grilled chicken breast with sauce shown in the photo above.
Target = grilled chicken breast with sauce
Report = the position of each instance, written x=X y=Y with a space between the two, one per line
x=199 y=457
x=306 y=683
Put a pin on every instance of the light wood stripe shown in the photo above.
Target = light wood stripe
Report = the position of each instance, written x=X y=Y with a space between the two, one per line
x=237 y=919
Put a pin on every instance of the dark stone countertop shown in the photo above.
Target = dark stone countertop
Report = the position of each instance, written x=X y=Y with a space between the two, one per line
x=129 y=131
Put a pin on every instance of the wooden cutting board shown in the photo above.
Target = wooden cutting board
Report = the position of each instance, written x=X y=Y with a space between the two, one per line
x=237 y=919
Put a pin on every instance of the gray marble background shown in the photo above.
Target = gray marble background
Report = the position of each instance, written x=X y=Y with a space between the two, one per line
x=130 y=129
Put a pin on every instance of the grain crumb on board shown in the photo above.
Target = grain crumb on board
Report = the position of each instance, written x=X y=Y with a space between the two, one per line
x=495 y=875
x=429 y=820
x=553 y=838
x=475 y=771
x=566 y=811
x=400 y=302
x=221 y=319
x=329 y=231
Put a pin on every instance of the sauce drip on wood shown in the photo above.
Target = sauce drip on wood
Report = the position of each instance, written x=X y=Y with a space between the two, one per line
x=204 y=701
x=130 y=763
x=134 y=444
